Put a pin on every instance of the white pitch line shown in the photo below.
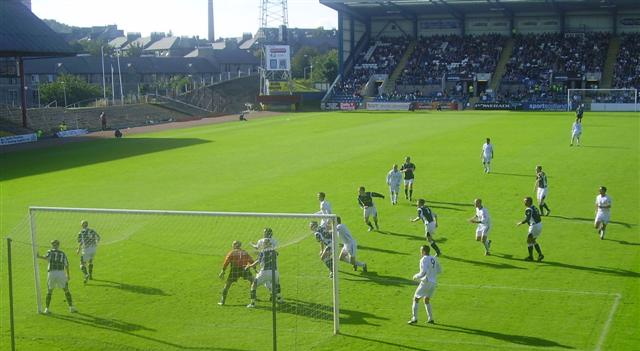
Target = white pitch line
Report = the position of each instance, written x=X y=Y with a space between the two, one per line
x=579 y=292
x=607 y=324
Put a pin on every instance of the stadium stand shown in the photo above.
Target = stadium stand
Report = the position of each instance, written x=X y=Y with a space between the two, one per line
x=627 y=68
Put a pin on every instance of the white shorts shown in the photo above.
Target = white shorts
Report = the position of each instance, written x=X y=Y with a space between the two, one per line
x=482 y=230
x=264 y=277
x=602 y=217
x=56 y=279
x=349 y=250
x=425 y=289
x=88 y=253
x=370 y=211
x=576 y=135
x=430 y=228
x=408 y=181
x=535 y=230
x=394 y=188
x=486 y=159
x=542 y=193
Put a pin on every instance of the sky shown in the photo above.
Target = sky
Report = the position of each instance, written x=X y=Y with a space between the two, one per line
x=181 y=17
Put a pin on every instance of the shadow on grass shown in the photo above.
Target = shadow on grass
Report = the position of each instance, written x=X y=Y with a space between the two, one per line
x=603 y=270
x=388 y=343
x=464 y=204
x=515 y=174
x=584 y=219
x=126 y=328
x=373 y=277
x=40 y=161
x=138 y=289
x=606 y=147
x=321 y=311
x=369 y=248
x=481 y=263
x=512 y=338
x=406 y=236
x=623 y=242
x=447 y=208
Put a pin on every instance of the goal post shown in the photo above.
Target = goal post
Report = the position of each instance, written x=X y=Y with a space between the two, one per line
x=183 y=239
x=622 y=99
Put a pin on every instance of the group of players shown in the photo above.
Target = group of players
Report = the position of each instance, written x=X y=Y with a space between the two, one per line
x=240 y=261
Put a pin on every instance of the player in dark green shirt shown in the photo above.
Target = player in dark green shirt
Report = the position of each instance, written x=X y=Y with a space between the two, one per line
x=58 y=274
x=408 y=168
x=365 y=200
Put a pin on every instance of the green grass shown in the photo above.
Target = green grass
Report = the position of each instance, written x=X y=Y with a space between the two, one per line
x=584 y=296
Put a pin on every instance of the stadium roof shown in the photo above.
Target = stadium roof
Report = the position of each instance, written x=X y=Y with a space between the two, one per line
x=459 y=8
x=24 y=34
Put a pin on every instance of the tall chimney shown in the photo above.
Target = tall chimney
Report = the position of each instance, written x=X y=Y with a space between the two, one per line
x=212 y=36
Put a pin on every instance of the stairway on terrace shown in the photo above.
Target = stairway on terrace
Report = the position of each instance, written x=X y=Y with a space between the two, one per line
x=390 y=86
x=501 y=67
x=610 y=63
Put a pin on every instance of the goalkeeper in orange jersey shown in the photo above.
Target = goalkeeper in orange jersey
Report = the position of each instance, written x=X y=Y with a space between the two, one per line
x=238 y=259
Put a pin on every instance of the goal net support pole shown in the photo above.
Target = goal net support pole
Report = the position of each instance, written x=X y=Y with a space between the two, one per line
x=633 y=90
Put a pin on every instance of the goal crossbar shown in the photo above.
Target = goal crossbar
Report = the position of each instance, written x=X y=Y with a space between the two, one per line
x=330 y=217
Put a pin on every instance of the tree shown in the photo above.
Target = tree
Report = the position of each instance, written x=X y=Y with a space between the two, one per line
x=302 y=59
x=134 y=51
x=325 y=68
x=74 y=88
x=93 y=47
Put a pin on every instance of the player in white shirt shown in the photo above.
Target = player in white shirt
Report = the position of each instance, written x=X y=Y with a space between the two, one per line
x=349 y=246
x=603 y=211
x=325 y=208
x=576 y=132
x=266 y=243
x=429 y=270
x=394 y=179
x=484 y=225
x=487 y=155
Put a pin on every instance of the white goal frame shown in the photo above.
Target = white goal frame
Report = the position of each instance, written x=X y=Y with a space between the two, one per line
x=634 y=90
x=330 y=217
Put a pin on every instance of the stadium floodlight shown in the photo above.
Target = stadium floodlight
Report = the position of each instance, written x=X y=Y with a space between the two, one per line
x=185 y=239
x=623 y=99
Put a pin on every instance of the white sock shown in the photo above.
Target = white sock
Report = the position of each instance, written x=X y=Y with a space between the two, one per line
x=429 y=313
x=414 y=316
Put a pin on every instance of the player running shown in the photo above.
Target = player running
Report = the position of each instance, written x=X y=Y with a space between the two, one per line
x=484 y=225
x=576 y=132
x=487 y=155
x=88 y=240
x=429 y=270
x=532 y=217
x=541 y=186
x=430 y=220
x=408 y=168
x=394 y=178
x=237 y=258
x=268 y=260
x=58 y=274
x=365 y=200
x=603 y=211
x=349 y=246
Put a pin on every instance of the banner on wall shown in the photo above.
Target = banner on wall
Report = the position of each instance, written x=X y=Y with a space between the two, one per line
x=544 y=106
x=18 y=139
x=439 y=24
x=348 y=106
x=494 y=106
x=278 y=57
x=388 y=106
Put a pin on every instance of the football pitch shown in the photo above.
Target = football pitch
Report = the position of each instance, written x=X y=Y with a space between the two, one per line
x=156 y=286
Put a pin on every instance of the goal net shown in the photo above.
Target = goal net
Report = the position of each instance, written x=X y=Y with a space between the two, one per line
x=156 y=273
x=603 y=99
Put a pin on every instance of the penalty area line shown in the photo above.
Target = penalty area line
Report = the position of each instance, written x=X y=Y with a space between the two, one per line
x=607 y=324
